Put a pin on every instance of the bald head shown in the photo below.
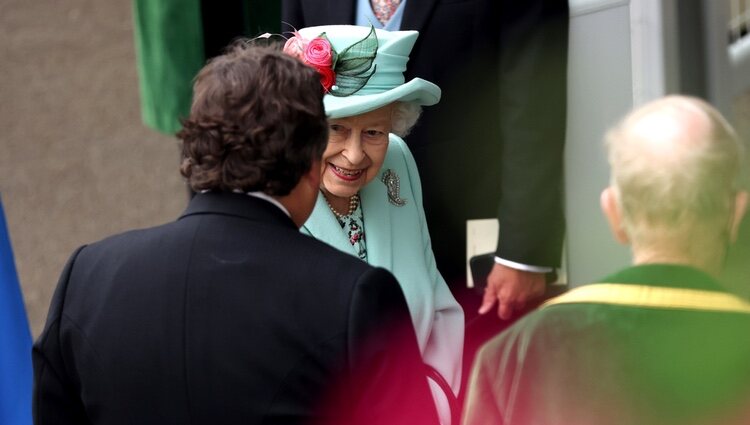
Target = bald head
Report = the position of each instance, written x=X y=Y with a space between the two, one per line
x=667 y=129
x=675 y=164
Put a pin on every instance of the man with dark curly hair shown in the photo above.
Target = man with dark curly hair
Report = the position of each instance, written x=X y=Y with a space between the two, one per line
x=230 y=314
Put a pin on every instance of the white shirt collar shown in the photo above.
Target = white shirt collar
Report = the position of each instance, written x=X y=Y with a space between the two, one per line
x=268 y=198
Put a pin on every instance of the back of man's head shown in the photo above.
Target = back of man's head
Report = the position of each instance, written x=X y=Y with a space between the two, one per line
x=257 y=122
x=675 y=164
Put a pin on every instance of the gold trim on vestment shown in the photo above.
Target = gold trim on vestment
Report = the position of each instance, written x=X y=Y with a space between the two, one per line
x=652 y=297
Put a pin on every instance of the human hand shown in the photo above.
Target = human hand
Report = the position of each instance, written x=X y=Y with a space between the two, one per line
x=512 y=289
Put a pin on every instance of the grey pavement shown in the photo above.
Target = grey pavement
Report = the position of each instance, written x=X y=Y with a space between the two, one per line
x=76 y=162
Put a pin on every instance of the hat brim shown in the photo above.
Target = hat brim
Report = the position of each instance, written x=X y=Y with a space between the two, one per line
x=417 y=90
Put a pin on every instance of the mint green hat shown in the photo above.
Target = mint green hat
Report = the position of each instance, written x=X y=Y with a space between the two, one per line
x=384 y=81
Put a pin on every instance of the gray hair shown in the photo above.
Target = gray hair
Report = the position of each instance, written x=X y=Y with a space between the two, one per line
x=405 y=116
x=675 y=167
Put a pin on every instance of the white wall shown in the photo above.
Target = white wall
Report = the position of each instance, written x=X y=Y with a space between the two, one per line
x=624 y=53
x=600 y=91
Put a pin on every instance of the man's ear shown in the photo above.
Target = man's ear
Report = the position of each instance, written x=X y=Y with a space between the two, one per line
x=611 y=209
x=740 y=206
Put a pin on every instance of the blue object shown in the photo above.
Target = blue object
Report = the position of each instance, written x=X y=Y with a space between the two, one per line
x=16 y=374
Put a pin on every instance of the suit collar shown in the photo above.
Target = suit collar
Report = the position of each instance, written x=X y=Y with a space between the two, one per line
x=416 y=14
x=238 y=205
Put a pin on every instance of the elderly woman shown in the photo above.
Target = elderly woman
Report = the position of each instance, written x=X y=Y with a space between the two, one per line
x=370 y=201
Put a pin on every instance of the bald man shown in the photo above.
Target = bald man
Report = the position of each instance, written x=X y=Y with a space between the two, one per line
x=660 y=342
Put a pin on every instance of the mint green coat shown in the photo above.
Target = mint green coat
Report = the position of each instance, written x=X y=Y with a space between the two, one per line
x=397 y=240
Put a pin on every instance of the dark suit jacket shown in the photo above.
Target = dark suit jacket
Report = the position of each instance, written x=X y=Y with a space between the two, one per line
x=227 y=315
x=493 y=147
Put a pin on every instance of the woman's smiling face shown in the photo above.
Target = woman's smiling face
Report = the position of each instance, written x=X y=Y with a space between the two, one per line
x=355 y=152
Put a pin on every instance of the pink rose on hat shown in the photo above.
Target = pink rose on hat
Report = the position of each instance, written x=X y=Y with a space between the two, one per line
x=341 y=74
x=318 y=53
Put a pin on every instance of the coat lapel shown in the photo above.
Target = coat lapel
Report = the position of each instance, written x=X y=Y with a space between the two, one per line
x=340 y=12
x=377 y=213
x=416 y=14
x=326 y=228
x=378 y=229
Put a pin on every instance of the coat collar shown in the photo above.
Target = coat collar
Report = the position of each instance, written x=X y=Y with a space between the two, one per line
x=666 y=275
x=322 y=225
x=237 y=205
x=378 y=227
x=377 y=224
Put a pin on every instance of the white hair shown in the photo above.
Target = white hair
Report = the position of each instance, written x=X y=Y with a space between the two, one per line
x=675 y=168
x=405 y=116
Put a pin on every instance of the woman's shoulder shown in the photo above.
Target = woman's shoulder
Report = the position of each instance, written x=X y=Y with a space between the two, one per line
x=396 y=143
x=398 y=152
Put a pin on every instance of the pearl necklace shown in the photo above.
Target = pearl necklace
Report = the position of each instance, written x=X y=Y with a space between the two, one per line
x=353 y=203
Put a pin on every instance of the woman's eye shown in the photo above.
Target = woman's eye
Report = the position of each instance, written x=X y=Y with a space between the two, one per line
x=375 y=137
x=337 y=132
